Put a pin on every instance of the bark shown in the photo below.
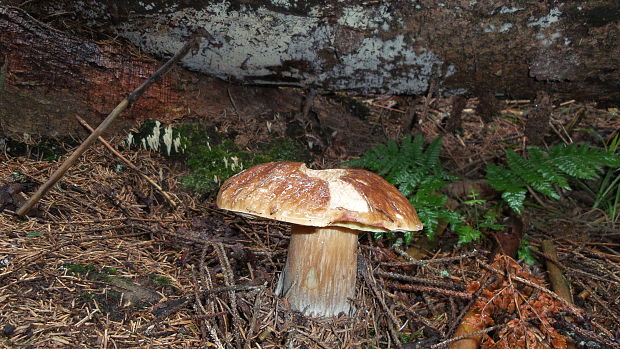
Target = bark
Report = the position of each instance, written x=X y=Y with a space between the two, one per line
x=511 y=48
x=47 y=77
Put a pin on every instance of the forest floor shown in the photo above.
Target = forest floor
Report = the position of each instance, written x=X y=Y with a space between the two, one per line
x=104 y=261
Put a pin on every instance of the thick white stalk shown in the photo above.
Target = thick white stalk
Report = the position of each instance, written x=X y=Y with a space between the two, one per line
x=320 y=271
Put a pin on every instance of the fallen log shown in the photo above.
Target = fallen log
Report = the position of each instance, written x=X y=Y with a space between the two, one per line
x=513 y=49
x=48 y=76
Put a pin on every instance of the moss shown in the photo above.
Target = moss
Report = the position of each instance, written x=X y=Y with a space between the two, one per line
x=212 y=162
x=90 y=271
x=284 y=149
x=141 y=305
x=161 y=280
x=87 y=297
x=110 y=271
x=79 y=269
x=211 y=156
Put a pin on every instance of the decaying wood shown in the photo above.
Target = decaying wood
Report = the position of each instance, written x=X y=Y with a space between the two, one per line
x=475 y=47
x=50 y=76
x=538 y=118
x=558 y=281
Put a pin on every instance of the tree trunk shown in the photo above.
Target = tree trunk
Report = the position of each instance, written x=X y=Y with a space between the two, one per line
x=511 y=48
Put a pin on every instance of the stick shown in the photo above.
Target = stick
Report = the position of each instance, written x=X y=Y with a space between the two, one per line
x=559 y=284
x=128 y=163
x=124 y=104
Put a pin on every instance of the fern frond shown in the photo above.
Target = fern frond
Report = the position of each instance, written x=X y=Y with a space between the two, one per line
x=503 y=179
x=546 y=168
x=542 y=170
x=515 y=199
x=414 y=168
x=431 y=155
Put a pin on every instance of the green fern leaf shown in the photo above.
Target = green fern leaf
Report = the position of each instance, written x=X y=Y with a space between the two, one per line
x=503 y=179
x=431 y=155
x=581 y=161
x=414 y=149
x=468 y=234
x=515 y=199
x=547 y=168
x=542 y=171
x=522 y=167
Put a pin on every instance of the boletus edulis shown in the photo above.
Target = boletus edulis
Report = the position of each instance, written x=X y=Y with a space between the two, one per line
x=327 y=209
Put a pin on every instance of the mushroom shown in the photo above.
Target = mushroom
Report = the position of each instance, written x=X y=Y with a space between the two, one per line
x=327 y=208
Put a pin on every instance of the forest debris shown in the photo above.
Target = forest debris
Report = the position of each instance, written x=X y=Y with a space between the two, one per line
x=558 y=281
x=133 y=292
x=454 y=121
x=421 y=280
x=12 y=197
x=508 y=240
x=414 y=287
x=425 y=262
x=128 y=163
x=559 y=284
x=461 y=189
x=538 y=118
x=468 y=335
x=124 y=104
x=488 y=106
x=528 y=315
x=576 y=120
x=170 y=246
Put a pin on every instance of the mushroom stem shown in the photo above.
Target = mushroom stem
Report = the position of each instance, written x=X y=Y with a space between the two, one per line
x=319 y=276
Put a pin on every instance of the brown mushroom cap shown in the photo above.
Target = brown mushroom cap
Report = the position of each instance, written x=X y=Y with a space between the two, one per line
x=291 y=192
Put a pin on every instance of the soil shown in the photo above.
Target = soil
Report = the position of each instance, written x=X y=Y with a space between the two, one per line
x=104 y=261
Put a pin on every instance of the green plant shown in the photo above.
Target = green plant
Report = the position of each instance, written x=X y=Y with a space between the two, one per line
x=110 y=271
x=90 y=271
x=211 y=161
x=79 y=269
x=481 y=217
x=525 y=252
x=414 y=168
x=607 y=192
x=34 y=234
x=409 y=337
x=161 y=280
x=543 y=171
x=86 y=297
x=211 y=165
